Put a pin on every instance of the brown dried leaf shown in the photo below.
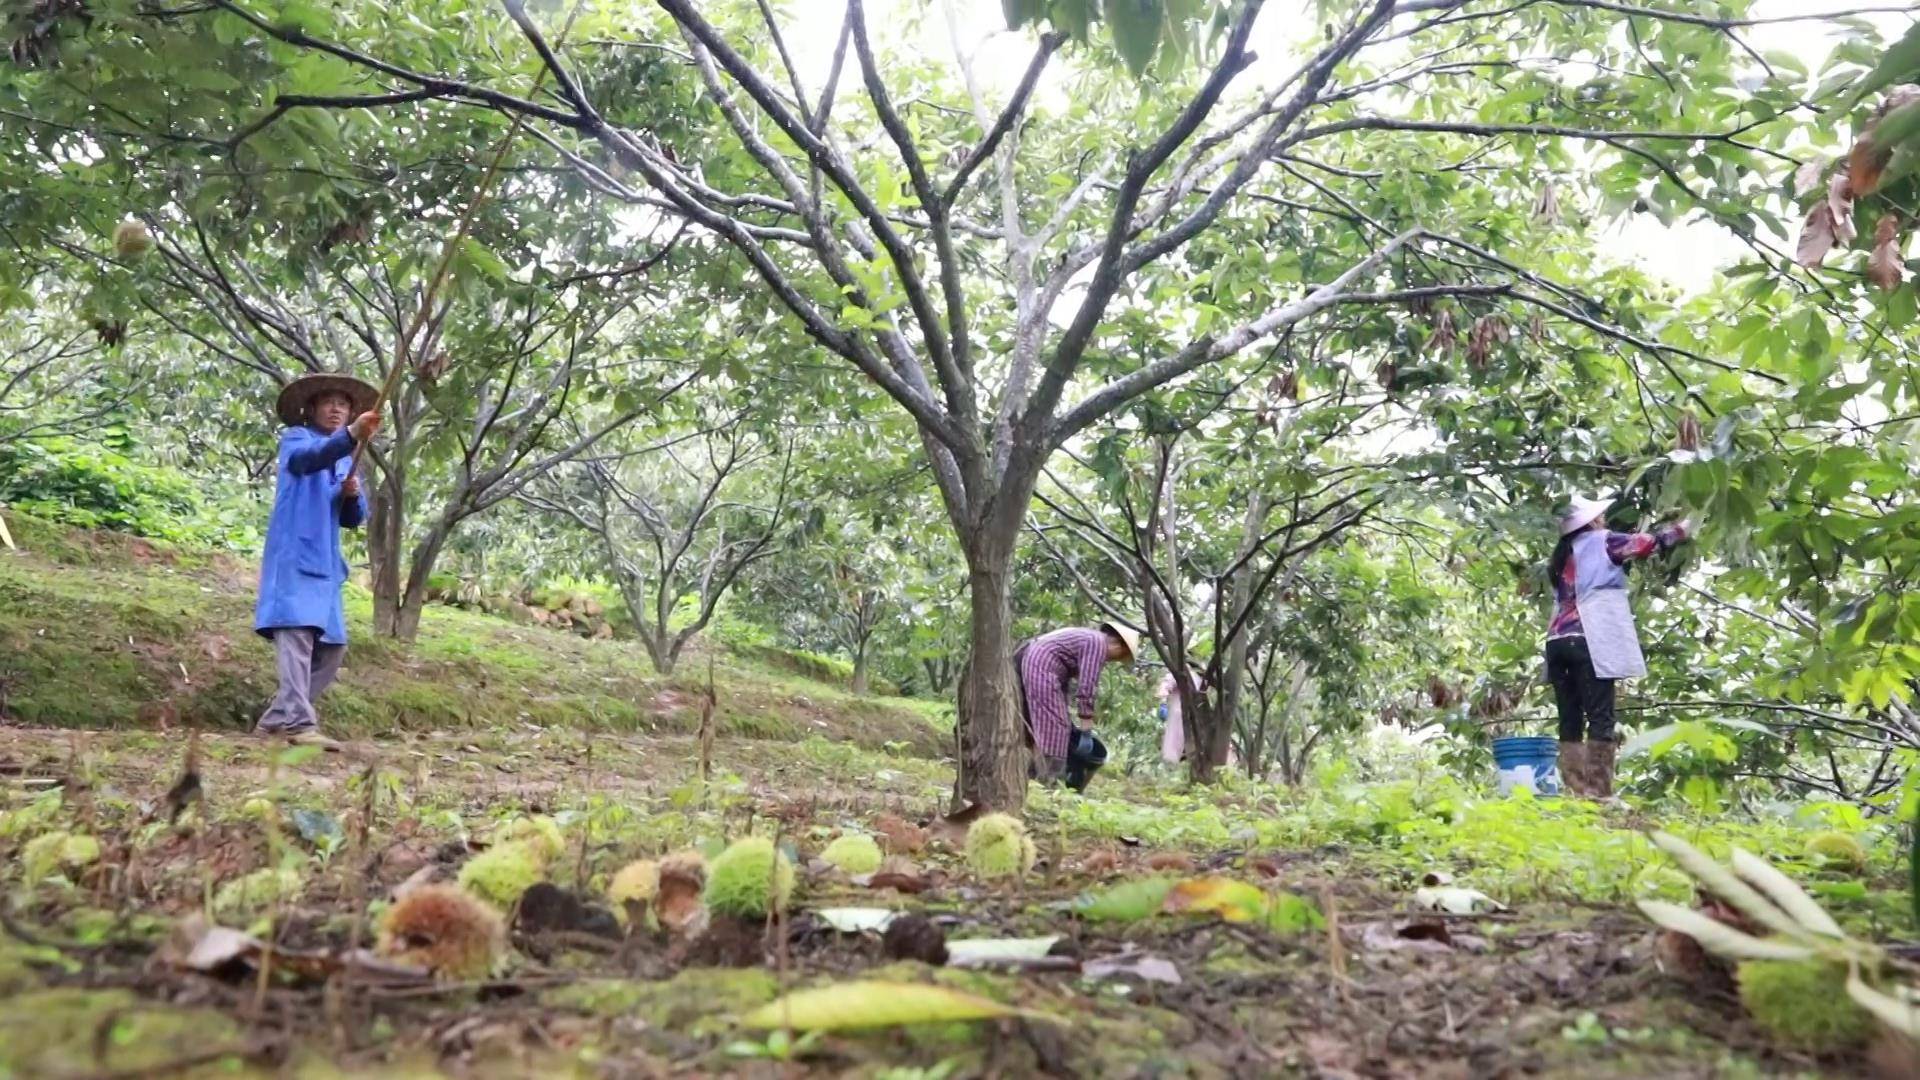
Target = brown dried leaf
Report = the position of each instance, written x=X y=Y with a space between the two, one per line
x=1807 y=177
x=1102 y=862
x=1688 y=435
x=898 y=836
x=1884 y=266
x=1445 y=334
x=1840 y=204
x=1546 y=207
x=1867 y=161
x=1178 y=862
x=1816 y=237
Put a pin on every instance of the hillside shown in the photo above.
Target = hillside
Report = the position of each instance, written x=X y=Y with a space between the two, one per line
x=1246 y=931
x=101 y=630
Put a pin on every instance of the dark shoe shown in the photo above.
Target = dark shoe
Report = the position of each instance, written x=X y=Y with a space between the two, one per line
x=1573 y=768
x=1600 y=759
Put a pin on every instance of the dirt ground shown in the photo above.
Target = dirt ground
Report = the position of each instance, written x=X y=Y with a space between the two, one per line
x=1379 y=990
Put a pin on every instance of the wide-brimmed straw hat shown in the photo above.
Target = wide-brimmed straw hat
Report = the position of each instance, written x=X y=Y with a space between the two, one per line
x=298 y=394
x=1582 y=514
x=1128 y=637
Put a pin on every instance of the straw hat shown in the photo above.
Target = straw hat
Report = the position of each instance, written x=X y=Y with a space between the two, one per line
x=1128 y=637
x=1582 y=514
x=298 y=394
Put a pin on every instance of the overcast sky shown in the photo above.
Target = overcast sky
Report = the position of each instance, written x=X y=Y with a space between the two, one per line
x=1686 y=255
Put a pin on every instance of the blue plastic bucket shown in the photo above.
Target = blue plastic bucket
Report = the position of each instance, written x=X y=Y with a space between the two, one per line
x=1528 y=761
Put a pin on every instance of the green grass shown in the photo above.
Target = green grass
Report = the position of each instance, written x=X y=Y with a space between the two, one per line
x=99 y=630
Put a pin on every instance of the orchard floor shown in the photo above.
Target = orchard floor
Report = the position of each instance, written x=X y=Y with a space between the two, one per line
x=1554 y=988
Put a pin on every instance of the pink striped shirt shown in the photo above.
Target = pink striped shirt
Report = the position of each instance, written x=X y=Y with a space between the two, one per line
x=1052 y=660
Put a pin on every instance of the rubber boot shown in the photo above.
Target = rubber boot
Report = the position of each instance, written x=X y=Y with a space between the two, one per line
x=1600 y=758
x=1573 y=768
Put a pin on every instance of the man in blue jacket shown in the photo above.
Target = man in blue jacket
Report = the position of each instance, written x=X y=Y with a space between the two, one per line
x=316 y=494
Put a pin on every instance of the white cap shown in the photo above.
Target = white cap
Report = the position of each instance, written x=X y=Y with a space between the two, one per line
x=1582 y=514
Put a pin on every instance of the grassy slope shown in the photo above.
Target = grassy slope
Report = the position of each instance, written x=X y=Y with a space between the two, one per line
x=102 y=630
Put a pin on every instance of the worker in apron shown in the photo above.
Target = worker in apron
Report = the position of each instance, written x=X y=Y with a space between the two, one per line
x=1591 y=641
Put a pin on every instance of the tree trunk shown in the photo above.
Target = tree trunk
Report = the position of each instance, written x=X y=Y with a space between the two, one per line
x=1210 y=734
x=385 y=527
x=992 y=742
x=413 y=601
x=860 y=669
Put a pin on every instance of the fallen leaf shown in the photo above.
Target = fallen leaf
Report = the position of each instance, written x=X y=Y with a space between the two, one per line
x=1290 y=914
x=218 y=946
x=887 y=879
x=1884 y=266
x=872 y=1004
x=977 y=951
x=1386 y=937
x=899 y=836
x=1234 y=901
x=1129 y=901
x=1149 y=968
x=1170 y=862
x=856 y=920
x=315 y=826
x=1456 y=900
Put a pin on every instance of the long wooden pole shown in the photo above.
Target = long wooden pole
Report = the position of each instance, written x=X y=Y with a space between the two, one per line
x=440 y=271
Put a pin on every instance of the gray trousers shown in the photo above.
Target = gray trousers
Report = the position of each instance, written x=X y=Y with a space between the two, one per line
x=307 y=668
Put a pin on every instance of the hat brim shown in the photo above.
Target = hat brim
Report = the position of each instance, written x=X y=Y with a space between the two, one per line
x=1584 y=513
x=291 y=406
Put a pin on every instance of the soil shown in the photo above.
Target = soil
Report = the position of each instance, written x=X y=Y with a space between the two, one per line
x=1550 y=989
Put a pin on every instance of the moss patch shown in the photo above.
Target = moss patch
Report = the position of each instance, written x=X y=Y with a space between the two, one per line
x=59 y=1032
x=701 y=1001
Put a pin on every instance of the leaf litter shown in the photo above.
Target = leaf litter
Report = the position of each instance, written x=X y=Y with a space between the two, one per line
x=1250 y=967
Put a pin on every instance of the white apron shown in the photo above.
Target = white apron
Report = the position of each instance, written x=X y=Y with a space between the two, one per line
x=1600 y=592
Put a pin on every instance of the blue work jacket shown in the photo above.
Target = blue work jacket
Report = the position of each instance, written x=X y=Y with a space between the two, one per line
x=302 y=570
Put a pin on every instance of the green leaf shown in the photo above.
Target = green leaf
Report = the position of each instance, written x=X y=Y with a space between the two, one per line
x=976 y=951
x=1137 y=26
x=479 y=256
x=1899 y=62
x=1021 y=12
x=1129 y=901
x=1290 y=914
x=1234 y=901
x=874 y=1004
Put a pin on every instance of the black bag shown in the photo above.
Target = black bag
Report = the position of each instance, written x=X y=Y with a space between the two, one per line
x=1085 y=754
